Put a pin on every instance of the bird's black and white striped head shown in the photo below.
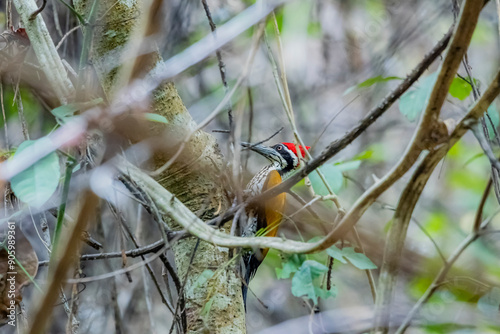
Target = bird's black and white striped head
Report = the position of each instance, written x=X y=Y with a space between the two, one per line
x=283 y=156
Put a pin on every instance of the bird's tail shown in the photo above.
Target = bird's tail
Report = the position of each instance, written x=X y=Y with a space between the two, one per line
x=250 y=263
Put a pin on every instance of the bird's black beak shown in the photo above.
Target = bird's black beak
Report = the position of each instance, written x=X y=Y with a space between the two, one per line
x=263 y=150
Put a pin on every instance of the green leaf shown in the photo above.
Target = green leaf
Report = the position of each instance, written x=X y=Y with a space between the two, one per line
x=348 y=165
x=483 y=35
x=375 y=153
x=314 y=239
x=436 y=222
x=155 y=118
x=38 y=183
x=460 y=89
x=270 y=24
x=305 y=281
x=489 y=304
x=202 y=279
x=206 y=308
x=290 y=265
x=80 y=18
x=413 y=102
x=466 y=179
x=324 y=293
x=314 y=29
x=449 y=327
x=336 y=253
x=388 y=226
x=333 y=176
x=301 y=184
x=365 y=155
x=370 y=82
x=359 y=260
x=473 y=158
x=377 y=79
x=65 y=112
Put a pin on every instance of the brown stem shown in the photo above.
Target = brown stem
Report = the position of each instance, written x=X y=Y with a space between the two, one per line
x=338 y=145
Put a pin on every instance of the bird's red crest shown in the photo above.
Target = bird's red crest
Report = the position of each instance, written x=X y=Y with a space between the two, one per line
x=293 y=148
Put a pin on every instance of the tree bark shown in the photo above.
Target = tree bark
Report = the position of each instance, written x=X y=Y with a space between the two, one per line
x=193 y=178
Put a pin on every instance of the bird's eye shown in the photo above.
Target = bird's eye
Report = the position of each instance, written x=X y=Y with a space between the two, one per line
x=279 y=148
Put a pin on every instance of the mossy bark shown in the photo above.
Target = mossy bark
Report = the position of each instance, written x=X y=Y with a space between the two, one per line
x=193 y=178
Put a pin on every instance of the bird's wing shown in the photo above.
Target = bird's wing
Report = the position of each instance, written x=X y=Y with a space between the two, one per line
x=274 y=207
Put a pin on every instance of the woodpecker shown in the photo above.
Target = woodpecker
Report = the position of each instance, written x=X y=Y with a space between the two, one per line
x=264 y=219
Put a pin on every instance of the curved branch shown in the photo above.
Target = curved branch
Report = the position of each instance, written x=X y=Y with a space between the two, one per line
x=173 y=208
x=338 y=145
x=409 y=199
x=429 y=126
x=170 y=206
x=136 y=252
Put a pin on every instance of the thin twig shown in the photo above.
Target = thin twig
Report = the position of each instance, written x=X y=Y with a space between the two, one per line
x=484 y=138
x=369 y=273
x=498 y=13
x=116 y=308
x=171 y=271
x=38 y=11
x=344 y=107
x=222 y=66
x=72 y=320
x=121 y=220
x=265 y=140
x=55 y=14
x=284 y=92
x=136 y=252
x=436 y=283
x=421 y=227
x=20 y=112
x=119 y=271
x=9 y=14
x=70 y=165
x=181 y=293
x=235 y=148
x=250 y=119
x=4 y=116
x=66 y=36
x=303 y=203
x=479 y=213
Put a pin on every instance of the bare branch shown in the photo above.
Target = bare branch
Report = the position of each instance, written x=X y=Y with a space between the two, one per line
x=438 y=280
x=429 y=131
x=338 y=145
x=409 y=198
x=173 y=208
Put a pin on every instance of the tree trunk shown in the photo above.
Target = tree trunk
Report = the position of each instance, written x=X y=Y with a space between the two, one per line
x=193 y=178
